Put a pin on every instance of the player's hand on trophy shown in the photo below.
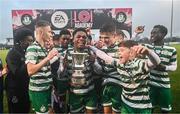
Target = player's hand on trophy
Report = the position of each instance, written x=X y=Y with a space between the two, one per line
x=92 y=58
x=62 y=66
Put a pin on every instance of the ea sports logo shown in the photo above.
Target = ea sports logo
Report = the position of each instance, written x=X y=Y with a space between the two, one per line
x=59 y=19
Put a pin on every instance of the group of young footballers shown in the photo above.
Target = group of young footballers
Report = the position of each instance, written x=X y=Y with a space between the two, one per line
x=120 y=76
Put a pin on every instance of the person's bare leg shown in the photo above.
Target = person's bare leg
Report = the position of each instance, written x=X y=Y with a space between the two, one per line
x=113 y=112
x=107 y=110
x=51 y=111
x=90 y=111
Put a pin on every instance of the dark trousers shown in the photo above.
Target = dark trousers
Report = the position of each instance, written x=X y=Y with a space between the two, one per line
x=18 y=102
x=1 y=95
x=61 y=106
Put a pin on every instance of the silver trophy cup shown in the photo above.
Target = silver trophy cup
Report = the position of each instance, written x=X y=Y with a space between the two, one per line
x=78 y=77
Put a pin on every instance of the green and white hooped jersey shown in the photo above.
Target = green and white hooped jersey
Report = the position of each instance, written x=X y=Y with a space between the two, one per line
x=60 y=50
x=134 y=80
x=42 y=80
x=168 y=56
x=111 y=74
x=89 y=85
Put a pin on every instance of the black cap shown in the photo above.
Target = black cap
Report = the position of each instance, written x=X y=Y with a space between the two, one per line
x=22 y=34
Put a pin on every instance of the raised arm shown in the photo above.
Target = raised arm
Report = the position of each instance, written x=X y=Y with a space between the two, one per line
x=137 y=32
x=108 y=59
x=153 y=59
x=33 y=68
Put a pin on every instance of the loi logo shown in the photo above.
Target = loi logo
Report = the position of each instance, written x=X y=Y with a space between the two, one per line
x=59 y=19
x=83 y=16
x=83 y=19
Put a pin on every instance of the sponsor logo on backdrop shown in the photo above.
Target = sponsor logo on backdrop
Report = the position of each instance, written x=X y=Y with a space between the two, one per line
x=83 y=19
x=74 y=18
x=121 y=17
x=59 y=19
x=26 y=19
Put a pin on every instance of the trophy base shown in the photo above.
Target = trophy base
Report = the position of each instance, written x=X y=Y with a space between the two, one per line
x=78 y=81
x=79 y=66
x=78 y=74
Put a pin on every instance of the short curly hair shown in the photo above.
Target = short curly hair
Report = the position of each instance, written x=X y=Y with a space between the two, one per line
x=64 y=32
x=79 y=29
x=162 y=29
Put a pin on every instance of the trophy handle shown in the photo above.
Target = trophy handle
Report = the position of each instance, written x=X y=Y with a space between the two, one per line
x=62 y=65
x=65 y=60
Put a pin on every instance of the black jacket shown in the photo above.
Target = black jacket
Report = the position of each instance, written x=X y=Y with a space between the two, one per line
x=1 y=78
x=17 y=78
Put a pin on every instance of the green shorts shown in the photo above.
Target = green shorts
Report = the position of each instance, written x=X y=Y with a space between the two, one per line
x=129 y=110
x=80 y=102
x=62 y=86
x=164 y=98
x=112 y=96
x=98 y=86
x=41 y=100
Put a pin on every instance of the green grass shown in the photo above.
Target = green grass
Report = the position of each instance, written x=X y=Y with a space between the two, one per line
x=174 y=76
x=175 y=80
x=3 y=54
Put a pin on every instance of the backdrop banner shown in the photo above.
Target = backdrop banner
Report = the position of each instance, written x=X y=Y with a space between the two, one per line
x=74 y=18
